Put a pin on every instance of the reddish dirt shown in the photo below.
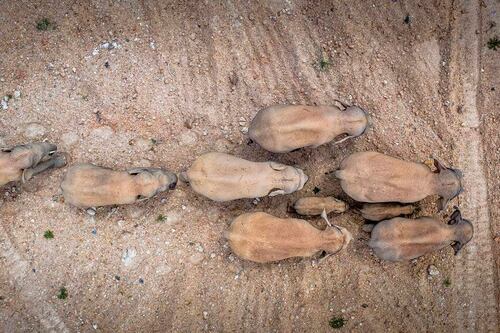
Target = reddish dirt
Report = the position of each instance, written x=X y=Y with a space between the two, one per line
x=184 y=74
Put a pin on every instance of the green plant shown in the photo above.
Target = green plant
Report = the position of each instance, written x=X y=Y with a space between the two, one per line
x=48 y=234
x=324 y=63
x=161 y=218
x=336 y=322
x=44 y=25
x=447 y=282
x=494 y=43
x=63 y=293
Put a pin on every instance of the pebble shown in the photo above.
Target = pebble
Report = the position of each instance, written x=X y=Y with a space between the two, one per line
x=17 y=94
x=172 y=218
x=432 y=270
x=163 y=269
x=198 y=247
x=103 y=132
x=205 y=315
x=144 y=163
x=90 y=211
x=244 y=130
x=34 y=130
x=128 y=256
x=196 y=258
x=143 y=144
x=5 y=104
x=188 y=138
x=69 y=138
x=135 y=212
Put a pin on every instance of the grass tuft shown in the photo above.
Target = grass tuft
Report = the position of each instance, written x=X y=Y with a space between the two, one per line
x=336 y=322
x=44 y=25
x=48 y=234
x=63 y=293
x=494 y=43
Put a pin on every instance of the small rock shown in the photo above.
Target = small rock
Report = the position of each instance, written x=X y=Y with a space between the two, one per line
x=188 y=138
x=69 y=138
x=432 y=270
x=244 y=130
x=143 y=144
x=135 y=212
x=17 y=94
x=34 y=130
x=128 y=256
x=5 y=104
x=90 y=211
x=198 y=247
x=205 y=315
x=163 y=269
x=196 y=258
x=144 y=163
x=103 y=132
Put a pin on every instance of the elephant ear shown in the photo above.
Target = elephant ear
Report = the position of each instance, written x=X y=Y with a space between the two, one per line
x=141 y=197
x=275 y=192
x=439 y=165
x=277 y=166
x=442 y=203
x=136 y=171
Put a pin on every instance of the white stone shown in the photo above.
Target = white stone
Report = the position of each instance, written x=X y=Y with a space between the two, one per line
x=69 y=138
x=103 y=132
x=128 y=256
x=34 y=130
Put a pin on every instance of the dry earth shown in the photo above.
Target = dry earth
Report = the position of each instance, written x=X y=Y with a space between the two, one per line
x=180 y=78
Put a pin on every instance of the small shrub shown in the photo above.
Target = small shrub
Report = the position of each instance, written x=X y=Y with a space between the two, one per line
x=63 y=293
x=44 y=25
x=336 y=322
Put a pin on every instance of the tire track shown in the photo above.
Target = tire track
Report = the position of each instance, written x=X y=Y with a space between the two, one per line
x=476 y=304
x=28 y=287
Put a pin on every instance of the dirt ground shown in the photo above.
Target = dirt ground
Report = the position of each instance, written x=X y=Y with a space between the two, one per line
x=138 y=83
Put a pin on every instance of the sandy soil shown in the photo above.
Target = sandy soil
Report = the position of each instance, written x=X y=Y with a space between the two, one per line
x=179 y=79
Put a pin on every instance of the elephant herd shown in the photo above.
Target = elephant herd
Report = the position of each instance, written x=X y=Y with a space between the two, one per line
x=386 y=186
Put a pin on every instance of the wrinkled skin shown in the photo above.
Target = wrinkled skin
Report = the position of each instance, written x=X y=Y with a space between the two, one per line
x=374 y=177
x=316 y=205
x=379 y=212
x=87 y=185
x=22 y=162
x=223 y=177
x=401 y=239
x=283 y=128
x=263 y=238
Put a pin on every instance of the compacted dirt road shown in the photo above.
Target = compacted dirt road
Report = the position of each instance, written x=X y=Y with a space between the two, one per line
x=131 y=83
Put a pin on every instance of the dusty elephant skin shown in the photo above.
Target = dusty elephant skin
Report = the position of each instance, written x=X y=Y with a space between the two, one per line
x=374 y=177
x=379 y=212
x=223 y=177
x=316 y=205
x=87 y=185
x=283 y=128
x=22 y=162
x=263 y=238
x=401 y=239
